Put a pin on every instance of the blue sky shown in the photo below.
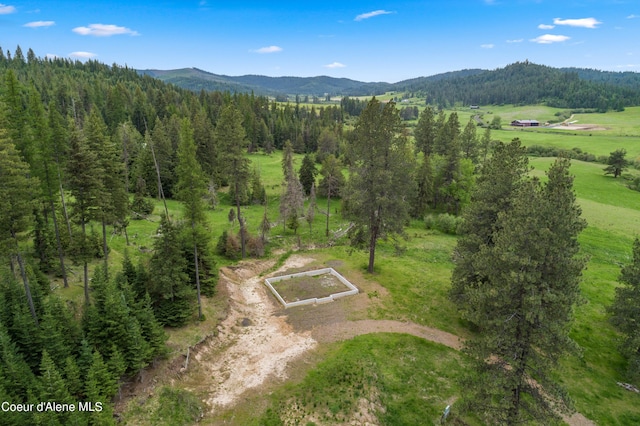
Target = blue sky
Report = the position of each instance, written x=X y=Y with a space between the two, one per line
x=363 y=40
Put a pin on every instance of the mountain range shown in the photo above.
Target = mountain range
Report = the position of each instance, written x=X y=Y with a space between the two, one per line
x=518 y=83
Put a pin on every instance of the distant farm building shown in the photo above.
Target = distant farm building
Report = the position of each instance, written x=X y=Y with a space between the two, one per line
x=474 y=107
x=525 y=123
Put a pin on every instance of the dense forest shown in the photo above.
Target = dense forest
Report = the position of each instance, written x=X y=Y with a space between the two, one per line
x=85 y=147
x=525 y=83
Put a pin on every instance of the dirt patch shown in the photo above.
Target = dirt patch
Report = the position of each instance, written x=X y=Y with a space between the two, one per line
x=589 y=127
x=253 y=345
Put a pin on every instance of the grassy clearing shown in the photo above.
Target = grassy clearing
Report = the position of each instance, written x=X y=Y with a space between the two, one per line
x=400 y=379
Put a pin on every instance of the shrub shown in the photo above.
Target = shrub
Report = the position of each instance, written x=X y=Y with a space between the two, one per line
x=445 y=222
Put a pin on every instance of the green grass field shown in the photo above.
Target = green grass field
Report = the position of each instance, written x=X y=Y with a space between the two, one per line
x=414 y=379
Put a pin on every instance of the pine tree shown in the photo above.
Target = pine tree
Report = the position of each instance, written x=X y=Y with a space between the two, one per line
x=292 y=199
x=424 y=191
x=311 y=208
x=16 y=193
x=485 y=143
x=307 y=173
x=525 y=306
x=258 y=192
x=265 y=225
x=17 y=377
x=84 y=177
x=378 y=187
x=100 y=386
x=52 y=387
x=499 y=179
x=331 y=183
x=233 y=144
x=58 y=144
x=616 y=163
x=191 y=190
x=625 y=315
x=44 y=152
x=425 y=132
x=169 y=288
x=469 y=141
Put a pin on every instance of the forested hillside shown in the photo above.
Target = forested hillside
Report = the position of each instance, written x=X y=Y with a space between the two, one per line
x=82 y=148
x=522 y=83
x=525 y=83
x=196 y=80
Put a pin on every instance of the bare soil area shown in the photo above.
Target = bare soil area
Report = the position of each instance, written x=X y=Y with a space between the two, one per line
x=589 y=127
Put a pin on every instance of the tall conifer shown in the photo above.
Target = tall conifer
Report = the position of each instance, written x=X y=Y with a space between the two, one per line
x=378 y=187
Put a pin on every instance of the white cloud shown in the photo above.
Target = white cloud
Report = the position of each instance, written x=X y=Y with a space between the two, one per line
x=5 y=9
x=550 y=38
x=584 y=22
x=335 y=65
x=372 y=14
x=546 y=27
x=102 y=30
x=519 y=40
x=632 y=16
x=39 y=24
x=82 y=55
x=487 y=46
x=268 y=49
x=51 y=56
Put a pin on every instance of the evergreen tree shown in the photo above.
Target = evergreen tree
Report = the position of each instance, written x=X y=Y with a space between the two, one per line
x=58 y=144
x=100 y=386
x=378 y=187
x=307 y=173
x=625 y=315
x=616 y=163
x=233 y=144
x=169 y=288
x=52 y=387
x=331 y=183
x=113 y=200
x=72 y=377
x=258 y=191
x=17 y=377
x=292 y=199
x=311 y=209
x=44 y=152
x=499 y=179
x=191 y=190
x=16 y=193
x=84 y=177
x=424 y=191
x=265 y=225
x=485 y=143
x=525 y=306
x=469 y=141
x=425 y=132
